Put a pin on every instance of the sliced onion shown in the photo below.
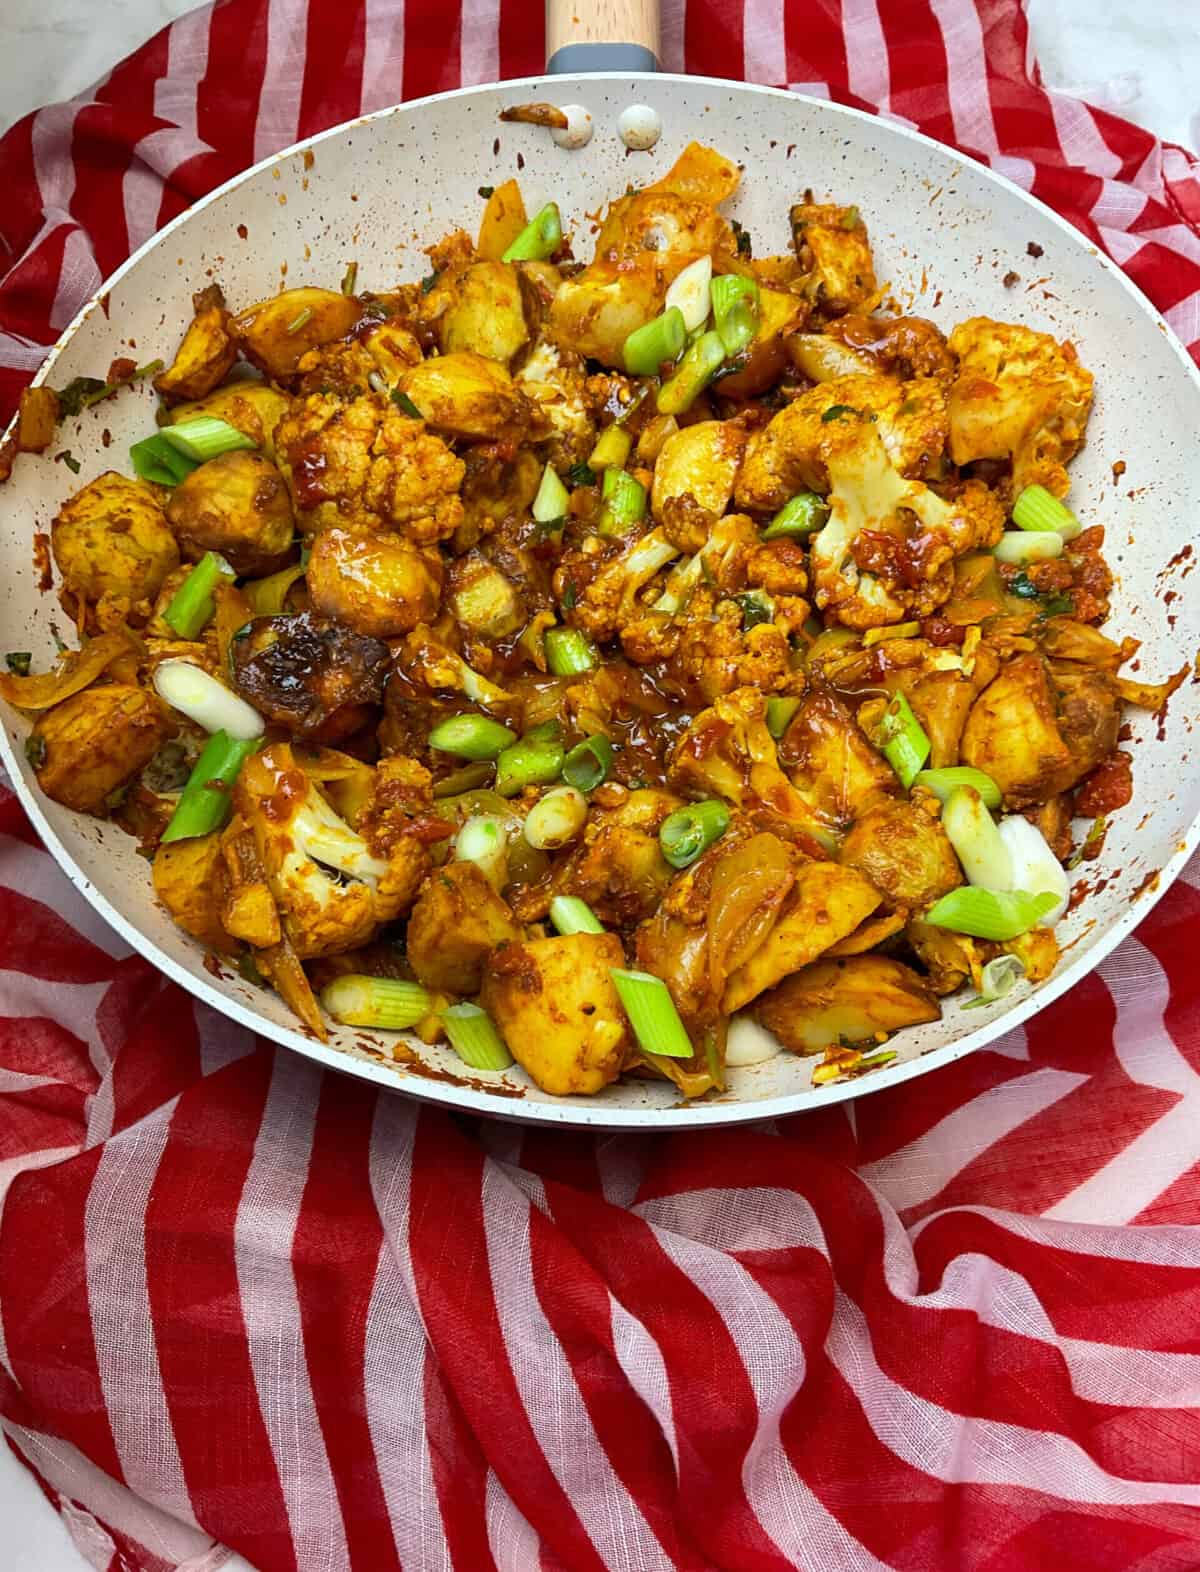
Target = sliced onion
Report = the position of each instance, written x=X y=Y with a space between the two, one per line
x=691 y=291
x=1034 y=866
x=749 y=1043
x=189 y=689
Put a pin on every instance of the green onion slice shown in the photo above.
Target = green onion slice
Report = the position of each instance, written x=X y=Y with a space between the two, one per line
x=155 y=459
x=998 y=977
x=942 y=782
x=356 y=1000
x=205 y=438
x=552 y=497
x=688 y=832
x=977 y=842
x=588 y=763
x=613 y=447
x=1015 y=547
x=779 y=715
x=540 y=238
x=652 y=1013
x=695 y=371
x=990 y=914
x=536 y=759
x=691 y=293
x=624 y=502
x=735 y=310
x=190 y=609
x=1039 y=509
x=647 y=348
x=471 y=737
x=902 y=738
x=568 y=652
x=205 y=803
x=571 y=915
x=803 y=514
x=474 y=1037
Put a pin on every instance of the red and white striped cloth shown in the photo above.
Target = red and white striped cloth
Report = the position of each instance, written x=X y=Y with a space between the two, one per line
x=950 y=1328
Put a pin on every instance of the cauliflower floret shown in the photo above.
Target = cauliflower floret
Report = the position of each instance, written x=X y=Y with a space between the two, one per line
x=609 y=601
x=350 y=367
x=425 y=659
x=1018 y=394
x=905 y=347
x=554 y=380
x=833 y=249
x=709 y=651
x=792 y=453
x=363 y=464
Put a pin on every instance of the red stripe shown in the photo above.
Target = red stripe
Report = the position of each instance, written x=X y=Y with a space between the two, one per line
x=712 y=40
x=522 y=39
x=227 y=95
x=36 y=1046
x=336 y=34
x=917 y=66
x=335 y=1252
x=432 y=36
x=149 y=1028
x=815 y=44
x=13 y=821
x=39 y=943
x=459 y=1476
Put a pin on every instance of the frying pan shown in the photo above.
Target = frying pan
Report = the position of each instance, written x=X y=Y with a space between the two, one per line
x=945 y=231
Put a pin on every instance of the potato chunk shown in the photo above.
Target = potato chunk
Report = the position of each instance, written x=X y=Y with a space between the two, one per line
x=378 y=584
x=701 y=461
x=91 y=744
x=238 y=505
x=468 y=396
x=1012 y=734
x=275 y=333
x=861 y=999
x=111 y=542
x=484 y=313
x=904 y=852
x=458 y=920
x=189 y=880
x=252 y=408
x=558 y=1011
x=207 y=353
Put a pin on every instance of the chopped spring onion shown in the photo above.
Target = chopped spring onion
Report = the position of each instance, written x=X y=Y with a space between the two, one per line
x=191 y=607
x=571 y=915
x=1039 y=509
x=800 y=516
x=350 y=279
x=686 y=833
x=695 y=371
x=779 y=715
x=190 y=690
x=652 y=1013
x=471 y=737
x=942 y=782
x=649 y=347
x=483 y=840
x=976 y=840
x=624 y=502
x=552 y=498
x=568 y=652
x=268 y=596
x=613 y=447
x=556 y=819
x=735 y=310
x=902 y=738
x=472 y=1032
x=540 y=238
x=756 y=606
x=302 y=319
x=990 y=914
x=466 y=779
x=536 y=759
x=691 y=293
x=1015 y=547
x=204 y=804
x=405 y=405
x=155 y=459
x=1034 y=865
x=205 y=438
x=898 y=630
x=588 y=763
x=355 y=1000
x=998 y=977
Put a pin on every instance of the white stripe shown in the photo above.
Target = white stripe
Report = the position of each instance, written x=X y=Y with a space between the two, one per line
x=548 y=1390
x=283 y=77
x=1174 y=237
x=925 y=1166
x=1082 y=143
x=33 y=873
x=514 y=1544
x=1138 y=1175
x=114 y=1249
x=479 y=44
x=1159 y=1244
x=396 y=1349
x=1184 y=318
x=222 y=1041
x=18 y=1081
x=1021 y=171
x=643 y=1366
x=1118 y=206
x=50 y=144
x=19 y=353
x=960 y=1450
x=867 y=70
x=1141 y=992
x=264 y=1229
x=383 y=55
x=966 y=75
x=764 y=44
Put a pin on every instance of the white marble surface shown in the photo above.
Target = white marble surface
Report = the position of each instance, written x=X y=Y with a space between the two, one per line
x=1143 y=61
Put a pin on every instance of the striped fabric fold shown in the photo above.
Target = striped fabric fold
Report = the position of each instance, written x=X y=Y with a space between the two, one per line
x=954 y=1327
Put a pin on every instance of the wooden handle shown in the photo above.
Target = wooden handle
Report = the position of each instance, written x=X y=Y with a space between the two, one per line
x=601 y=22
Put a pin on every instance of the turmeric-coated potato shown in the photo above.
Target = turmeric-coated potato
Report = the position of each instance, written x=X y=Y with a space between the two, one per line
x=236 y=504
x=378 y=583
x=111 y=540
x=558 y=1011
x=468 y=396
x=701 y=461
x=904 y=852
x=207 y=353
x=485 y=602
x=188 y=879
x=91 y=744
x=456 y=923
x=275 y=333
x=485 y=312
x=253 y=408
x=861 y=999
x=1012 y=734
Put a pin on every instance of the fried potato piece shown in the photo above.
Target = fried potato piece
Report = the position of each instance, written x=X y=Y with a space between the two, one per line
x=503 y=220
x=485 y=313
x=468 y=395
x=765 y=358
x=379 y=584
x=311 y=676
x=1013 y=731
x=253 y=408
x=486 y=603
x=558 y=1011
x=904 y=852
x=112 y=544
x=700 y=461
x=238 y=505
x=700 y=174
x=207 y=353
x=274 y=334
x=189 y=881
x=834 y=251
x=458 y=920
x=830 y=763
x=91 y=744
x=37 y=419
x=862 y=999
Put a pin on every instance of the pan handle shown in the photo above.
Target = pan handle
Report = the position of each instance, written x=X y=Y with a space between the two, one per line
x=601 y=35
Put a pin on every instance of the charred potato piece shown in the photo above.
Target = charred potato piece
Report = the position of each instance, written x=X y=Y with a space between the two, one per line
x=238 y=505
x=207 y=353
x=87 y=747
x=862 y=999
x=485 y=313
x=189 y=880
x=468 y=395
x=904 y=852
x=252 y=408
x=701 y=461
x=110 y=540
x=558 y=1011
x=458 y=920
x=275 y=333
x=379 y=584
x=307 y=674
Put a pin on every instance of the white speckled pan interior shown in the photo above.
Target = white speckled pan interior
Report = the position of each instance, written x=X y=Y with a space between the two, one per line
x=945 y=232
